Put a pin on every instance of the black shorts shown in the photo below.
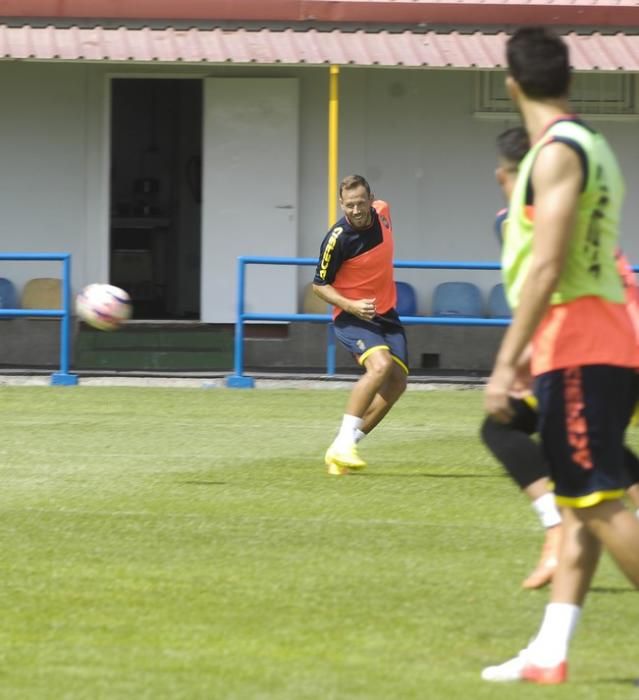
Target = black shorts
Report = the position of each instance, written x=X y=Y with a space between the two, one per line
x=364 y=337
x=525 y=415
x=583 y=415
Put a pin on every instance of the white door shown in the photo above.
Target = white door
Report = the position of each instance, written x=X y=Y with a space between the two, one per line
x=250 y=176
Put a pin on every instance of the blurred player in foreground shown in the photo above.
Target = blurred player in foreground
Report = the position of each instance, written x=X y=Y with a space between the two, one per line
x=511 y=443
x=561 y=279
x=355 y=275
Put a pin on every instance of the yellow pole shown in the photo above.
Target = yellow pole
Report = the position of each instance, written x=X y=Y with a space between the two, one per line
x=333 y=134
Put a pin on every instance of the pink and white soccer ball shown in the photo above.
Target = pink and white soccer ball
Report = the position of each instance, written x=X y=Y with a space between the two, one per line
x=103 y=306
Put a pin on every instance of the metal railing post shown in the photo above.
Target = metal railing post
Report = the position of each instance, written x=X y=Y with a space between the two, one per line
x=63 y=377
x=238 y=380
x=331 y=350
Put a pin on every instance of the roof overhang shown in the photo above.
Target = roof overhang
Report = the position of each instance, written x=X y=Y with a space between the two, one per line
x=569 y=13
x=288 y=46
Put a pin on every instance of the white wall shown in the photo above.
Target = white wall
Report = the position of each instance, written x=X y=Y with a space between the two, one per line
x=250 y=126
x=43 y=152
x=411 y=132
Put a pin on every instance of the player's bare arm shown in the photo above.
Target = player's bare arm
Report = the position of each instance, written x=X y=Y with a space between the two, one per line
x=362 y=308
x=557 y=180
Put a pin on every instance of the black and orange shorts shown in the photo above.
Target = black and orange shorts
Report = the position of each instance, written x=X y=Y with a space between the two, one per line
x=583 y=415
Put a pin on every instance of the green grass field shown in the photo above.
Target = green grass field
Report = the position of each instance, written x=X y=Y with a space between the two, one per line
x=186 y=543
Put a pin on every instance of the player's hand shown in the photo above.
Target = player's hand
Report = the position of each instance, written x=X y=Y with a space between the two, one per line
x=364 y=309
x=497 y=393
x=523 y=376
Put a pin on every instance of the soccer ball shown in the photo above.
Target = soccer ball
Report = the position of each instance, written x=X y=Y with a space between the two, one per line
x=103 y=306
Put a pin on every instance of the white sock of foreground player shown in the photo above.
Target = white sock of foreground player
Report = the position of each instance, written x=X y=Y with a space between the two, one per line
x=550 y=646
x=546 y=509
x=346 y=436
x=360 y=435
x=547 y=650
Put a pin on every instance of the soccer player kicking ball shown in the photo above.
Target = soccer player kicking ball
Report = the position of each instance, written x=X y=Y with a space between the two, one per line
x=561 y=280
x=355 y=275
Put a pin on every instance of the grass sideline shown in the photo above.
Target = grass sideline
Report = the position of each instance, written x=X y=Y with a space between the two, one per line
x=175 y=543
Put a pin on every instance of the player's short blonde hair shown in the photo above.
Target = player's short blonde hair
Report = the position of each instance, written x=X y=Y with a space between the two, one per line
x=350 y=182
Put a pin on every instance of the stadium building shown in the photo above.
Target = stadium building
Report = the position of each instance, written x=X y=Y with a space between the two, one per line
x=157 y=141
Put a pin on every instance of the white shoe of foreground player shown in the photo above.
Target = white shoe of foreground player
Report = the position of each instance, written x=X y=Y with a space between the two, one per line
x=510 y=670
x=520 y=669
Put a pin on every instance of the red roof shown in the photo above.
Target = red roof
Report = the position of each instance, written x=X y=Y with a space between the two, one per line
x=597 y=13
x=432 y=33
x=434 y=49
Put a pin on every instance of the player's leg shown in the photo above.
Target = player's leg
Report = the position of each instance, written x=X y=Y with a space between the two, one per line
x=583 y=414
x=548 y=560
x=385 y=398
x=543 y=661
x=512 y=445
x=342 y=454
x=379 y=366
x=618 y=530
x=395 y=383
x=585 y=530
x=366 y=342
x=523 y=459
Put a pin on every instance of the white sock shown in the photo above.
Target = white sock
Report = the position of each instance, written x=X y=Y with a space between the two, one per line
x=360 y=435
x=637 y=513
x=346 y=435
x=550 y=646
x=546 y=509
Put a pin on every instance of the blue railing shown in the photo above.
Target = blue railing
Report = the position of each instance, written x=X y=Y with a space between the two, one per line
x=62 y=376
x=239 y=380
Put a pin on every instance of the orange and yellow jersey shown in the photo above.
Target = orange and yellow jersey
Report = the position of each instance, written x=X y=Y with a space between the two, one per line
x=591 y=330
x=587 y=322
x=358 y=263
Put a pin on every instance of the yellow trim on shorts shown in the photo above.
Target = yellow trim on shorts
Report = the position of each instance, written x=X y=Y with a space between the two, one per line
x=531 y=400
x=592 y=499
x=370 y=351
x=400 y=363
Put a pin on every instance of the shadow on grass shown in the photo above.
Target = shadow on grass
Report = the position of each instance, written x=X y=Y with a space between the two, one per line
x=632 y=682
x=613 y=589
x=203 y=483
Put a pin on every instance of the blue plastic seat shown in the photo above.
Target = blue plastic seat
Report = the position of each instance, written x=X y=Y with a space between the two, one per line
x=497 y=303
x=457 y=299
x=406 y=299
x=8 y=294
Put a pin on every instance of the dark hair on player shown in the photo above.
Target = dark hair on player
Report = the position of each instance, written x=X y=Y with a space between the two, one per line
x=538 y=61
x=513 y=144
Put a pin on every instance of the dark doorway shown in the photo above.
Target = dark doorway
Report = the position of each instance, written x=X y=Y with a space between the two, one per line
x=156 y=148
